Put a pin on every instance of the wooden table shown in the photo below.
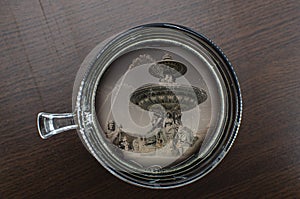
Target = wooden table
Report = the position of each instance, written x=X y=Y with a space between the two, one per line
x=44 y=42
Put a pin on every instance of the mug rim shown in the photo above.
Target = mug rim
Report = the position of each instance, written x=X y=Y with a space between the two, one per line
x=93 y=56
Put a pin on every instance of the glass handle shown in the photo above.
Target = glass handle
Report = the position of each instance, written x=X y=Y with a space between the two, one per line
x=51 y=124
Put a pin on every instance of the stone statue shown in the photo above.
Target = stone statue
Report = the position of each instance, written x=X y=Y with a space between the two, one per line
x=183 y=139
x=169 y=126
x=113 y=133
x=124 y=143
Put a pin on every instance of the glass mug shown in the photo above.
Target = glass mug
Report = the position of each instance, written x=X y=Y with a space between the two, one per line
x=158 y=106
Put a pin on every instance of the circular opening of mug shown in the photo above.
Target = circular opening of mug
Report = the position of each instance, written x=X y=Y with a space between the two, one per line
x=166 y=104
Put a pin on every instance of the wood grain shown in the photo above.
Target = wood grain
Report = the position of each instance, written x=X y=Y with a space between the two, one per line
x=44 y=42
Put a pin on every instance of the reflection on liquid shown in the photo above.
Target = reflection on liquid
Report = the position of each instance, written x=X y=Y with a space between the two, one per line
x=166 y=100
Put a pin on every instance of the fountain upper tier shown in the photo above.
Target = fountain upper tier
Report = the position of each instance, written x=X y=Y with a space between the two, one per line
x=167 y=66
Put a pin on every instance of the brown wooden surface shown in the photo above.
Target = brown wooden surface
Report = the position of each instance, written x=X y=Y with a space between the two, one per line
x=44 y=42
